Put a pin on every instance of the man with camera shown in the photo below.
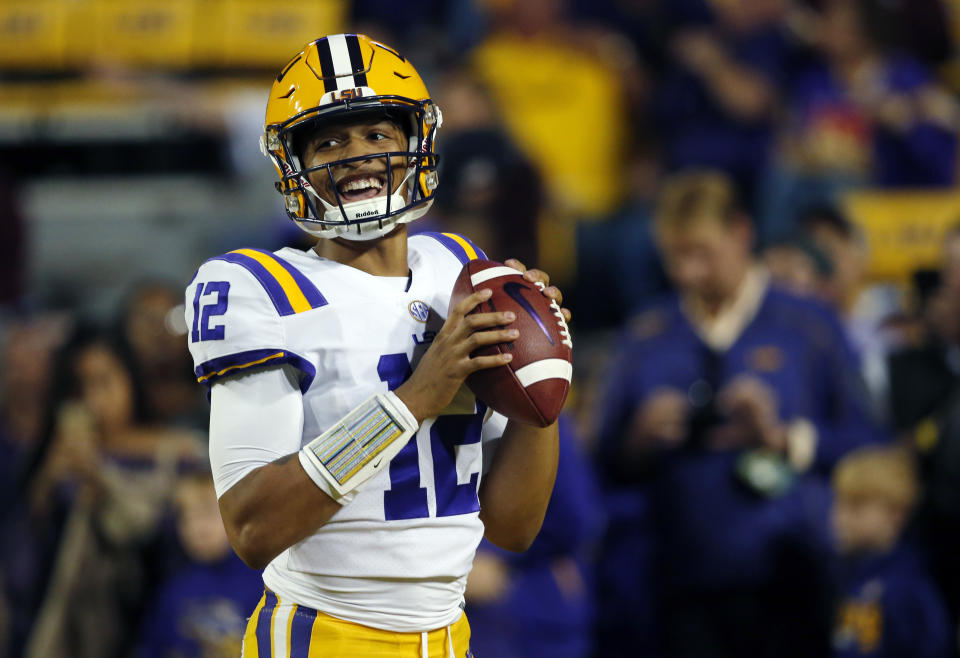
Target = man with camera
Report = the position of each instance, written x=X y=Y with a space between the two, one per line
x=729 y=404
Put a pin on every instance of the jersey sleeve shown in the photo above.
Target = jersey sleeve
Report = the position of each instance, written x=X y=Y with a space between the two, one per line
x=254 y=419
x=234 y=321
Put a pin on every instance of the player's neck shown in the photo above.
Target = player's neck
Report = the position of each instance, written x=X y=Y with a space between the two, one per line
x=386 y=256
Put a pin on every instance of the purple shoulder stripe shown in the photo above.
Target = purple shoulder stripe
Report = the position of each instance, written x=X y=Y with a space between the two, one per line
x=231 y=364
x=455 y=244
x=267 y=280
x=306 y=286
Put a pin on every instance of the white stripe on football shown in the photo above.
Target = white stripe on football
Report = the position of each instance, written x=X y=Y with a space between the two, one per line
x=544 y=369
x=493 y=273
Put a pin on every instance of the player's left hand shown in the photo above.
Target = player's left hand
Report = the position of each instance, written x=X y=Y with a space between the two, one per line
x=535 y=276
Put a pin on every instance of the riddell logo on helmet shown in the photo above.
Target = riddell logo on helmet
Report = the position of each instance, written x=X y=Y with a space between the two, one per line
x=365 y=213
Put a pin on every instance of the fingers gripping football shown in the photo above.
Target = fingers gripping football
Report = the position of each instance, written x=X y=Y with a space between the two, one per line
x=532 y=387
x=447 y=363
x=539 y=277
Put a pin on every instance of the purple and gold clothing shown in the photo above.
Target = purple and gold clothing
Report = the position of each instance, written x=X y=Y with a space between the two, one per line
x=710 y=538
x=890 y=608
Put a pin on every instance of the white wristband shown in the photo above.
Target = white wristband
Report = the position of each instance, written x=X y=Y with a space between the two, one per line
x=358 y=446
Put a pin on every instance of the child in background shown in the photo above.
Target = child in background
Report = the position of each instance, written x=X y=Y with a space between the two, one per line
x=889 y=606
x=201 y=612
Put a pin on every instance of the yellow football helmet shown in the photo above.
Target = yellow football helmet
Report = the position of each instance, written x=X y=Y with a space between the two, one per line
x=342 y=75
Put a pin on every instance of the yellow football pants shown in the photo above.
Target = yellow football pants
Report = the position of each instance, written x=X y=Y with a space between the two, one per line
x=285 y=630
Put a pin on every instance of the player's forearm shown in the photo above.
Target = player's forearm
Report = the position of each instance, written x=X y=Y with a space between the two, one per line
x=516 y=490
x=272 y=508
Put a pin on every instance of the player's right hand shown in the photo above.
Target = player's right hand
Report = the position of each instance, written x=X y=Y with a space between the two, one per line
x=447 y=362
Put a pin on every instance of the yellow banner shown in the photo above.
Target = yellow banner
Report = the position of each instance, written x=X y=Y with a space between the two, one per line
x=253 y=33
x=33 y=34
x=166 y=34
x=904 y=230
x=141 y=33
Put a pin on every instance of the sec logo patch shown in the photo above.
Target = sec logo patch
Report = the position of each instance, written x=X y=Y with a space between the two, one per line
x=419 y=310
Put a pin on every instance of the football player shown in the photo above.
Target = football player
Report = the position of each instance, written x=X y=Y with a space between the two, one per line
x=350 y=463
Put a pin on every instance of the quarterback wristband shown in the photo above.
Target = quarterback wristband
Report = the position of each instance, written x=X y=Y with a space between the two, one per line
x=359 y=445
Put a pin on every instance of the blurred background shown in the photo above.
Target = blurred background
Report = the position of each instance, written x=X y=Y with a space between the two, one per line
x=752 y=208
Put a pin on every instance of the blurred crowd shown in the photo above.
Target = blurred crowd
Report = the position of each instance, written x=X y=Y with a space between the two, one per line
x=761 y=451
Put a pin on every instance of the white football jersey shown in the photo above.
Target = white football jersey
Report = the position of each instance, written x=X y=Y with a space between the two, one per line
x=397 y=556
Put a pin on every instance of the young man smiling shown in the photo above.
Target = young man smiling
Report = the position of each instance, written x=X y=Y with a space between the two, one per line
x=350 y=462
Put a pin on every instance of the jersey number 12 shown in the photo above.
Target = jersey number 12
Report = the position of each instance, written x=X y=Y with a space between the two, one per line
x=406 y=499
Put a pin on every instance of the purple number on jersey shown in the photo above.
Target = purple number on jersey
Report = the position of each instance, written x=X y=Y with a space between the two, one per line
x=201 y=329
x=406 y=499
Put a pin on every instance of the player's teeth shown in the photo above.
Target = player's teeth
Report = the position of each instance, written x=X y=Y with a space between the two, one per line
x=361 y=184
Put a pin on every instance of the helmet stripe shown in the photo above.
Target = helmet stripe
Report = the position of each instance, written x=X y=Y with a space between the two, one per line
x=326 y=65
x=356 y=61
x=341 y=61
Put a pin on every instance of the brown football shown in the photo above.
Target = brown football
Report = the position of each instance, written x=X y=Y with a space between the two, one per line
x=533 y=386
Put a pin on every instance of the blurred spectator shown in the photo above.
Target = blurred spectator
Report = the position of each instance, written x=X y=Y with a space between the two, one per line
x=563 y=80
x=923 y=29
x=26 y=368
x=490 y=190
x=201 y=611
x=538 y=604
x=923 y=376
x=618 y=268
x=726 y=63
x=925 y=403
x=27 y=364
x=108 y=474
x=728 y=402
x=864 y=308
x=152 y=327
x=889 y=606
x=796 y=264
x=862 y=114
x=562 y=93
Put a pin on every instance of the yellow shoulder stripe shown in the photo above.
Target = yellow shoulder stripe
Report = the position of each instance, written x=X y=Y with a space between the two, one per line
x=283 y=277
x=467 y=247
